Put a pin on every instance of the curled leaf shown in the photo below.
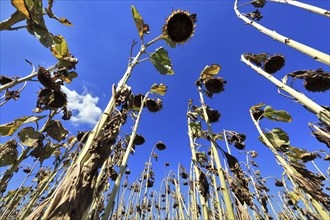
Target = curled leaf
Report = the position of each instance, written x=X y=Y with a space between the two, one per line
x=210 y=71
x=56 y=130
x=52 y=15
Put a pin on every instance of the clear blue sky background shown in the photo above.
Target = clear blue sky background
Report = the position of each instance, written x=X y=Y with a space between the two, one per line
x=101 y=39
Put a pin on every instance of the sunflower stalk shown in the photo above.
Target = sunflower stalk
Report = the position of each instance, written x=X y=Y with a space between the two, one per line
x=85 y=154
x=305 y=6
x=318 y=110
x=315 y=54
x=228 y=203
x=110 y=205
x=196 y=169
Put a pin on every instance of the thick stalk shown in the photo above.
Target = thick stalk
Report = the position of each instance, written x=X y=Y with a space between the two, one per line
x=229 y=208
x=197 y=174
x=315 y=54
x=215 y=190
x=41 y=189
x=318 y=110
x=85 y=152
x=109 y=207
x=307 y=7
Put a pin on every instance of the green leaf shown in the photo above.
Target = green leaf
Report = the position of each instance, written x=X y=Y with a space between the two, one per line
x=10 y=128
x=8 y=153
x=257 y=106
x=56 y=130
x=60 y=48
x=138 y=21
x=196 y=128
x=276 y=115
x=278 y=138
x=161 y=61
x=210 y=71
x=29 y=137
x=159 y=89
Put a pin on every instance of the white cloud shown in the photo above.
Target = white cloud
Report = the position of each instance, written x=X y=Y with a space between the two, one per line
x=83 y=106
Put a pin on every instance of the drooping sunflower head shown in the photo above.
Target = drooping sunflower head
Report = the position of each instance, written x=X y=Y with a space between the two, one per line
x=179 y=26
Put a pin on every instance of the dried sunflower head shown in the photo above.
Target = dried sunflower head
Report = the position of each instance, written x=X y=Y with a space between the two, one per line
x=317 y=84
x=215 y=85
x=213 y=115
x=154 y=105
x=139 y=140
x=179 y=26
x=48 y=99
x=274 y=63
x=138 y=100
x=160 y=145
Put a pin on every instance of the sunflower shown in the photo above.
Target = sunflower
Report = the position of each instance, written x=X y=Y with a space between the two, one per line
x=179 y=26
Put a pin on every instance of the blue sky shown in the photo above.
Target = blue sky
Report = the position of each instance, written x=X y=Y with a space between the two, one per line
x=101 y=39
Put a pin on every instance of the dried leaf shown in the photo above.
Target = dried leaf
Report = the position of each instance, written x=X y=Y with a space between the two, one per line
x=10 y=128
x=159 y=89
x=29 y=137
x=20 y=6
x=202 y=158
x=52 y=15
x=256 y=15
x=56 y=130
x=69 y=77
x=210 y=71
x=8 y=153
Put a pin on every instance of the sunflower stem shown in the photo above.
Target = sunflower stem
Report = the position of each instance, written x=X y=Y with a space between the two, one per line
x=110 y=205
x=229 y=208
x=318 y=110
x=307 y=7
x=315 y=54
